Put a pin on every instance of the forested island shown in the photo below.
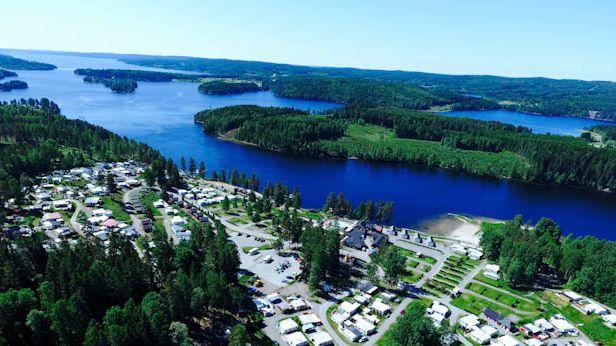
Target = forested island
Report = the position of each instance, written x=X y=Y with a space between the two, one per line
x=12 y=85
x=9 y=62
x=136 y=75
x=219 y=87
x=118 y=85
x=125 y=81
x=398 y=135
x=593 y=99
x=5 y=73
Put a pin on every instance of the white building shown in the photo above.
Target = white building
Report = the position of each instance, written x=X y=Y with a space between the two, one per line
x=479 y=336
x=364 y=326
x=508 y=340
x=380 y=308
x=309 y=319
x=475 y=254
x=594 y=308
x=492 y=271
x=611 y=319
x=349 y=308
x=296 y=339
x=564 y=326
x=491 y=331
x=287 y=326
x=468 y=322
x=321 y=339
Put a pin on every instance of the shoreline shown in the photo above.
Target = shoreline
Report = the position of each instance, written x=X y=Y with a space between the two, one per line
x=458 y=227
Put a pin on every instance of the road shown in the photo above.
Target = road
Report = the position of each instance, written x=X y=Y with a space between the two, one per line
x=77 y=227
x=127 y=197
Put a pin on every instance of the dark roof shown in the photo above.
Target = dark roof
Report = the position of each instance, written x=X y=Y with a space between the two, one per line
x=355 y=238
x=493 y=315
x=354 y=330
x=365 y=286
x=378 y=239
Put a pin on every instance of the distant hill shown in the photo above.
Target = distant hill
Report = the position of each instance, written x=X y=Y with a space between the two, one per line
x=12 y=63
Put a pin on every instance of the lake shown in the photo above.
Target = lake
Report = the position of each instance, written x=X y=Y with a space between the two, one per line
x=161 y=114
x=556 y=125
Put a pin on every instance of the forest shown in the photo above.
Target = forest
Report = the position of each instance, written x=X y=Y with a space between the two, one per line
x=118 y=85
x=12 y=63
x=37 y=139
x=5 y=73
x=534 y=95
x=136 y=75
x=397 y=135
x=12 y=85
x=586 y=265
x=607 y=132
x=92 y=294
x=218 y=87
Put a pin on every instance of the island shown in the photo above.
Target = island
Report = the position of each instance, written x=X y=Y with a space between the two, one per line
x=391 y=134
x=117 y=85
x=13 y=85
x=589 y=99
x=125 y=81
x=221 y=87
x=5 y=73
x=9 y=62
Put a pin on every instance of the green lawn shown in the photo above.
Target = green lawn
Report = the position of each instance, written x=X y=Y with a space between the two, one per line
x=117 y=210
x=413 y=255
x=507 y=299
x=148 y=200
x=475 y=305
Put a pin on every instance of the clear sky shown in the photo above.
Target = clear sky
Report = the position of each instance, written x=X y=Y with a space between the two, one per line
x=552 y=38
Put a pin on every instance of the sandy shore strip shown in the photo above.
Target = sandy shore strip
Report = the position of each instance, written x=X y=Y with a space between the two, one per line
x=457 y=227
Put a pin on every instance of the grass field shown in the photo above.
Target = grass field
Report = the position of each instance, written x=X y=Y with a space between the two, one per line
x=507 y=299
x=475 y=305
x=117 y=210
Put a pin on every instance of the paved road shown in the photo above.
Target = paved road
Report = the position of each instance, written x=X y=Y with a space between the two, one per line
x=77 y=227
x=127 y=197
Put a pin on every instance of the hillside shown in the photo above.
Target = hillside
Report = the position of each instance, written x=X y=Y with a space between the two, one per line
x=12 y=63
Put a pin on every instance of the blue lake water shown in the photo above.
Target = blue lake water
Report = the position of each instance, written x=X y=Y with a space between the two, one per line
x=161 y=114
x=567 y=126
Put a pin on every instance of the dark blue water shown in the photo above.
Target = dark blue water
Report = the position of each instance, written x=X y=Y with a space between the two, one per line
x=160 y=114
x=568 y=126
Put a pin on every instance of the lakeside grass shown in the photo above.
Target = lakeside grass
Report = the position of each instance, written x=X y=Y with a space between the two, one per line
x=503 y=298
x=475 y=305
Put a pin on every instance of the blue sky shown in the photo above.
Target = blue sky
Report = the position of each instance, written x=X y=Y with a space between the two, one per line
x=561 y=39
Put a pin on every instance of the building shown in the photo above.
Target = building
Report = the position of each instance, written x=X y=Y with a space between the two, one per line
x=351 y=332
x=530 y=329
x=572 y=297
x=321 y=339
x=288 y=326
x=498 y=319
x=534 y=342
x=430 y=242
x=298 y=304
x=309 y=319
x=563 y=326
x=488 y=329
x=508 y=340
x=468 y=322
x=475 y=254
x=296 y=339
x=349 y=308
x=611 y=319
x=459 y=249
x=545 y=326
x=364 y=326
x=380 y=308
x=367 y=287
x=479 y=336
x=594 y=308
x=492 y=271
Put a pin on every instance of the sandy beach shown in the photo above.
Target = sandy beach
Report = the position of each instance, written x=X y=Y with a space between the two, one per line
x=461 y=228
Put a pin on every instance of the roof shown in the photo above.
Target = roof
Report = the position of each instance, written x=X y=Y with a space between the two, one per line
x=378 y=239
x=380 y=306
x=295 y=339
x=355 y=238
x=320 y=338
x=572 y=295
x=309 y=318
x=287 y=325
x=349 y=307
x=52 y=216
x=488 y=329
x=364 y=324
x=110 y=223
x=492 y=268
x=563 y=325
x=491 y=314
x=508 y=340
x=469 y=321
x=479 y=335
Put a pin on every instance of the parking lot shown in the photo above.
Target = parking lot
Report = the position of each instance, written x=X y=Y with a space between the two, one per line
x=256 y=263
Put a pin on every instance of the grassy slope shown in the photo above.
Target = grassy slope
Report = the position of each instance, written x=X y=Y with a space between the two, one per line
x=360 y=139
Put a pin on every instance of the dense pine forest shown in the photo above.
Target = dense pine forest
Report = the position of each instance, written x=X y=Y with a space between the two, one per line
x=535 y=95
x=5 y=73
x=586 y=265
x=12 y=85
x=117 y=85
x=92 y=294
x=218 y=87
x=36 y=139
x=12 y=63
x=397 y=135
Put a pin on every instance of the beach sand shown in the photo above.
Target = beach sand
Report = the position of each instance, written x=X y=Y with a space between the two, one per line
x=456 y=227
